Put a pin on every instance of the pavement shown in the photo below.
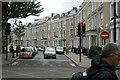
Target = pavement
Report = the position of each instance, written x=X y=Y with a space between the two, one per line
x=9 y=59
x=75 y=58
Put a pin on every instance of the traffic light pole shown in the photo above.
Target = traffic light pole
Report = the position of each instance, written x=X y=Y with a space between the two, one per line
x=6 y=47
x=7 y=32
x=114 y=21
x=80 y=36
x=81 y=33
x=80 y=45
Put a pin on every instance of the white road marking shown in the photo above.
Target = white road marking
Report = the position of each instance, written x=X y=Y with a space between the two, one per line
x=15 y=63
x=72 y=64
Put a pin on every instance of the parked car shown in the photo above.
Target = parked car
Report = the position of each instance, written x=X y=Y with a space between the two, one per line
x=60 y=50
x=49 y=52
x=27 y=52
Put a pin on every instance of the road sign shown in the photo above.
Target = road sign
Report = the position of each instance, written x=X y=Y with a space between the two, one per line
x=104 y=35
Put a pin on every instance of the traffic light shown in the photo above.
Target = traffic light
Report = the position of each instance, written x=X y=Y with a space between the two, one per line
x=83 y=28
x=7 y=29
x=79 y=30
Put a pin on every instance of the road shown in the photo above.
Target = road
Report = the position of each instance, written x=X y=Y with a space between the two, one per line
x=59 y=68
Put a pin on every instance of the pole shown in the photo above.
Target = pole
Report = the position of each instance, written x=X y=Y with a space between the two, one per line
x=6 y=47
x=61 y=33
x=79 y=48
x=114 y=21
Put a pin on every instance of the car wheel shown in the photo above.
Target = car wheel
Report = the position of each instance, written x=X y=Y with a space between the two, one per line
x=44 y=57
x=55 y=57
x=32 y=57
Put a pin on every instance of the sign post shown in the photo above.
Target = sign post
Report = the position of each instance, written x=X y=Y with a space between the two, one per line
x=104 y=35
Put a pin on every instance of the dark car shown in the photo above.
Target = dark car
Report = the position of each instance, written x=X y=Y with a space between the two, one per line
x=27 y=52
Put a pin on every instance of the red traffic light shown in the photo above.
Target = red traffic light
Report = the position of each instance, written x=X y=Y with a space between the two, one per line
x=83 y=24
x=83 y=28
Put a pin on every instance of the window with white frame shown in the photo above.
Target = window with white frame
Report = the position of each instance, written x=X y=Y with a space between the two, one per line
x=53 y=26
x=101 y=19
x=111 y=9
x=95 y=19
x=48 y=27
x=92 y=5
x=64 y=23
x=63 y=33
x=89 y=7
x=54 y=34
x=95 y=4
x=48 y=35
x=92 y=22
x=100 y=2
x=89 y=25
x=82 y=14
x=72 y=22
x=80 y=17
x=59 y=33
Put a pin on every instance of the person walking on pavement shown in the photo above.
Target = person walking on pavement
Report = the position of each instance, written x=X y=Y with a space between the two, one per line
x=11 y=49
x=105 y=64
x=91 y=52
x=17 y=49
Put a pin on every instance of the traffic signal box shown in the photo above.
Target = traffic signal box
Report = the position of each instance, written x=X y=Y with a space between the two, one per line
x=7 y=29
x=81 y=29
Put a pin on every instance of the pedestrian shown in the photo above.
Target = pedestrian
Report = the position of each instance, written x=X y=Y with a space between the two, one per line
x=17 y=49
x=91 y=52
x=11 y=49
x=105 y=64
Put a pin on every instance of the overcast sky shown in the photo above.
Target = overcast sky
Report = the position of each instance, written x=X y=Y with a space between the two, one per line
x=55 y=6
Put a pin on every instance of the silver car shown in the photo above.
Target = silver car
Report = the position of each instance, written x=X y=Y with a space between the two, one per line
x=59 y=50
x=49 y=52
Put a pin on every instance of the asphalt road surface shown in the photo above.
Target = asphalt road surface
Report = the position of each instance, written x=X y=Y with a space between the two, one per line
x=40 y=68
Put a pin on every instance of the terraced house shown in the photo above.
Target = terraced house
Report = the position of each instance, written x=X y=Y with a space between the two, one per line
x=60 y=30
x=0 y=27
x=97 y=17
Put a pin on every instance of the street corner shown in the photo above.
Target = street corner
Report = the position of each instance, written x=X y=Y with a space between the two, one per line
x=13 y=60
x=72 y=60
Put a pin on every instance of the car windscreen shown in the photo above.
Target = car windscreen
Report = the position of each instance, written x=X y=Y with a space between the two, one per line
x=26 y=50
x=50 y=50
x=60 y=48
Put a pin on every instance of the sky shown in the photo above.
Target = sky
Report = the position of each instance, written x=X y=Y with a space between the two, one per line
x=54 y=6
